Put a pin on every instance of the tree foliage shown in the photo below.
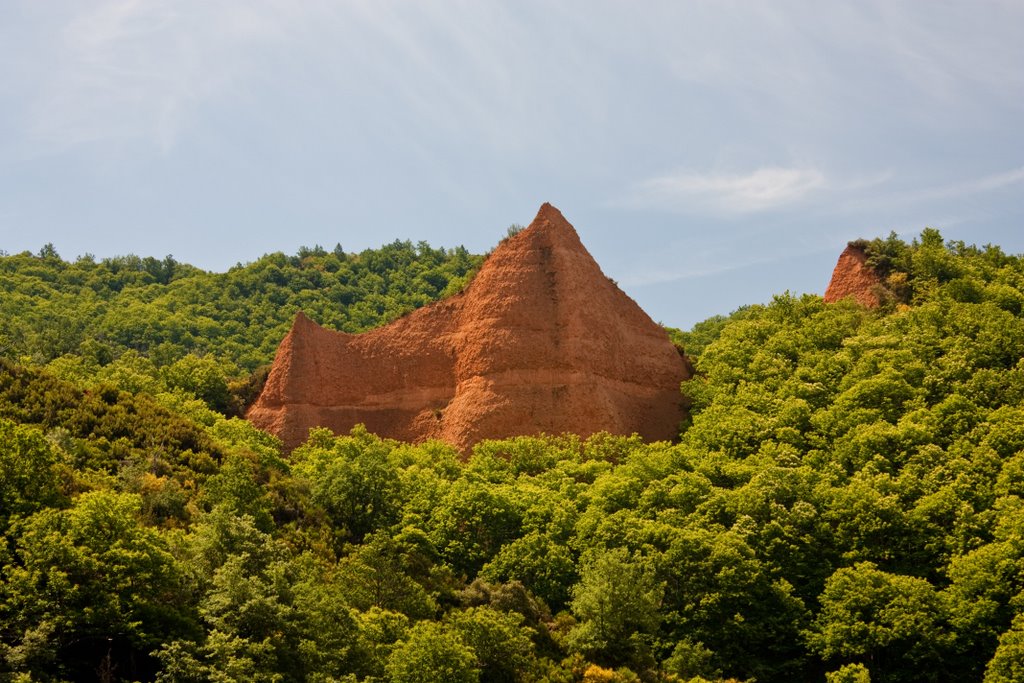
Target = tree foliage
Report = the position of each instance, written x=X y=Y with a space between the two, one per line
x=844 y=503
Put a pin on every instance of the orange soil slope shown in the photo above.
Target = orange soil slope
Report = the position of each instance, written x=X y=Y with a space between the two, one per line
x=853 y=277
x=540 y=341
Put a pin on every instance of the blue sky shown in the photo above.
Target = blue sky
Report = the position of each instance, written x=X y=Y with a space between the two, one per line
x=710 y=154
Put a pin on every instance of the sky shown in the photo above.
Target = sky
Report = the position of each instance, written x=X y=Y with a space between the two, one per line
x=710 y=154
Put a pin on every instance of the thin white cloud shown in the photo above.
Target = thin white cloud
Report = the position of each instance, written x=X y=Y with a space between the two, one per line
x=989 y=183
x=686 y=270
x=764 y=188
x=834 y=55
x=150 y=72
x=716 y=261
x=140 y=69
x=960 y=189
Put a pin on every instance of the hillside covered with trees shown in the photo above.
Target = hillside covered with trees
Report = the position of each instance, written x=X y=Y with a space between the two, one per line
x=844 y=503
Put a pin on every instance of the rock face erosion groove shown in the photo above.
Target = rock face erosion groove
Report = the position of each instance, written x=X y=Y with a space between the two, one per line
x=541 y=341
x=854 y=277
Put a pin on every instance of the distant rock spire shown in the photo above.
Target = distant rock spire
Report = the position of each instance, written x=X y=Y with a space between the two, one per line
x=854 y=277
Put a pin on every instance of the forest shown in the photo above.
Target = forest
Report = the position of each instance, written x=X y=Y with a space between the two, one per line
x=844 y=503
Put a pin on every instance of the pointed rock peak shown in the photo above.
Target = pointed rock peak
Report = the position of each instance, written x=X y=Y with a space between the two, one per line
x=549 y=214
x=853 y=277
x=551 y=219
x=303 y=323
x=548 y=228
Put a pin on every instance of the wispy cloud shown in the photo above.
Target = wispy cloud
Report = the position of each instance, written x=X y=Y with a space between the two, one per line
x=712 y=261
x=935 y=194
x=777 y=187
x=139 y=69
x=148 y=71
x=687 y=270
x=988 y=183
x=764 y=188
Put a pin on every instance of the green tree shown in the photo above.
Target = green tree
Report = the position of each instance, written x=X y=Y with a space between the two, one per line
x=88 y=581
x=544 y=566
x=720 y=593
x=433 y=652
x=1007 y=665
x=472 y=522
x=379 y=573
x=29 y=472
x=849 y=673
x=281 y=620
x=353 y=479
x=205 y=377
x=503 y=648
x=616 y=602
x=894 y=623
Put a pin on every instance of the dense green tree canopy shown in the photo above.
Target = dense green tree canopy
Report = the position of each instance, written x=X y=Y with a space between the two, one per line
x=164 y=309
x=845 y=503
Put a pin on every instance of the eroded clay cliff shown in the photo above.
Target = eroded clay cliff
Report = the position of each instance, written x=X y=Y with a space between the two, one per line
x=539 y=342
x=854 y=277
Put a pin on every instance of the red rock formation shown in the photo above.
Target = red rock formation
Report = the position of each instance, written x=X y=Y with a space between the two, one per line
x=853 y=277
x=540 y=341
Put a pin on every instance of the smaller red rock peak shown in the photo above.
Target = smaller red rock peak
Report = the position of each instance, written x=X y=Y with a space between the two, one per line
x=854 y=277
